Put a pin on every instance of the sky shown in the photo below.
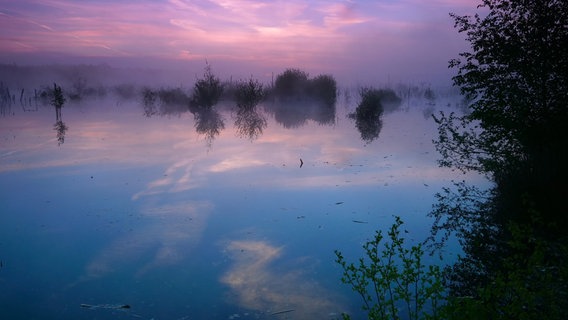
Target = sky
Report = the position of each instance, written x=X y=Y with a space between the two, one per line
x=357 y=41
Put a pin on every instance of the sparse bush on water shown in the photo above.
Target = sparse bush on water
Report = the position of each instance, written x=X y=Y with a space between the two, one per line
x=249 y=93
x=207 y=90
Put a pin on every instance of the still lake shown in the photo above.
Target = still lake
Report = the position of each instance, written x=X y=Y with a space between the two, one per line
x=144 y=211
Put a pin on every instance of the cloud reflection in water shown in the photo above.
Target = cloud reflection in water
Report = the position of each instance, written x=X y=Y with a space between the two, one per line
x=257 y=285
x=167 y=236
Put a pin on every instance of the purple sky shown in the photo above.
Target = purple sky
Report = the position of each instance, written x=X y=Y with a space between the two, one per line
x=363 y=42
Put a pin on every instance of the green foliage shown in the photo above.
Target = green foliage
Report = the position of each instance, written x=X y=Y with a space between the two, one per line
x=207 y=90
x=531 y=283
x=515 y=81
x=392 y=280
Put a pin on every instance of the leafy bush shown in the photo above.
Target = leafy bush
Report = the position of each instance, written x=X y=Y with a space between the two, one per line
x=291 y=84
x=392 y=280
x=324 y=89
x=295 y=85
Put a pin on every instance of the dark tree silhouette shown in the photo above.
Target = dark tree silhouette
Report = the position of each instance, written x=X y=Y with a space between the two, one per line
x=61 y=128
x=249 y=121
x=207 y=91
x=297 y=98
x=368 y=114
x=57 y=100
x=209 y=123
x=291 y=85
x=516 y=81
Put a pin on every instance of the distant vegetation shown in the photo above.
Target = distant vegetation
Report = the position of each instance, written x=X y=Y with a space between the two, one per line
x=294 y=85
x=369 y=112
x=249 y=121
x=293 y=99
x=207 y=90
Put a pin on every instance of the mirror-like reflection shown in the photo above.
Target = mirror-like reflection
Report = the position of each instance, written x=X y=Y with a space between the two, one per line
x=256 y=286
x=250 y=122
x=244 y=226
x=209 y=123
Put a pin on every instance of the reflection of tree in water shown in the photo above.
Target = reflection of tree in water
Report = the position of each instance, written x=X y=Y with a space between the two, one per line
x=164 y=101
x=249 y=122
x=298 y=99
x=368 y=114
x=295 y=114
x=61 y=128
x=57 y=101
x=209 y=123
x=5 y=100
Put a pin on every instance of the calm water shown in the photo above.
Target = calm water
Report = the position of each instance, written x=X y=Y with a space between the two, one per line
x=147 y=212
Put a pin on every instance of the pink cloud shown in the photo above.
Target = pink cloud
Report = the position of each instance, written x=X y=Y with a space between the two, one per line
x=317 y=34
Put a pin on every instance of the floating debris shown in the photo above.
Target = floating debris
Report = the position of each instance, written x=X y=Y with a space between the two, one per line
x=359 y=221
x=281 y=312
x=301 y=162
x=338 y=203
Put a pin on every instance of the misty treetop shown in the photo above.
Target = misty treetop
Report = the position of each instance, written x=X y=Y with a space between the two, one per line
x=295 y=85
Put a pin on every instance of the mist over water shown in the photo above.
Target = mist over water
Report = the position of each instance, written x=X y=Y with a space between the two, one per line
x=127 y=195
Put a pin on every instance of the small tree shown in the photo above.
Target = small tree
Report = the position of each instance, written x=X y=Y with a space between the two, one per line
x=208 y=90
x=392 y=281
x=249 y=122
x=291 y=84
x=323 y=88
x=57 y=99
x=249 y=93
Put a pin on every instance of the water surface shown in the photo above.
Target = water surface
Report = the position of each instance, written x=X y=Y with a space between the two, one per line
x=179 y=224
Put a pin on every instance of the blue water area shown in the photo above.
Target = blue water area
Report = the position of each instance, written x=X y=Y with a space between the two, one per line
x=178 y=224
